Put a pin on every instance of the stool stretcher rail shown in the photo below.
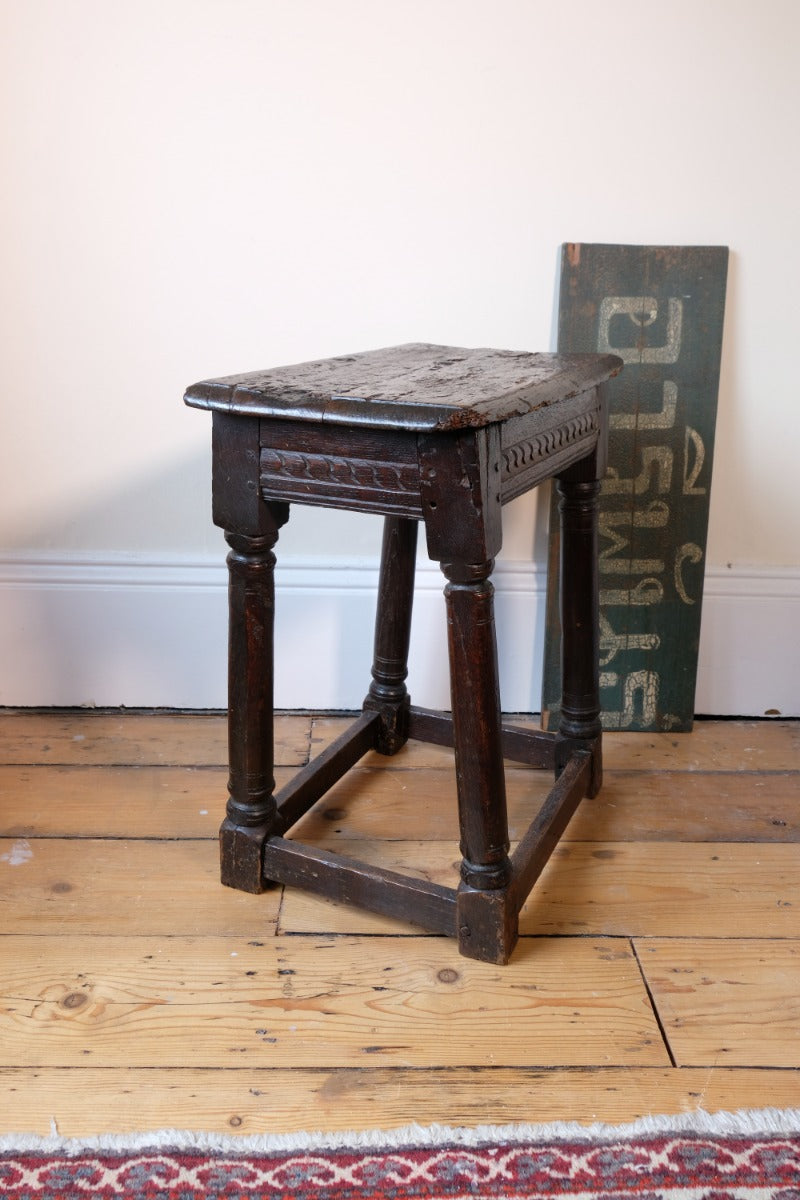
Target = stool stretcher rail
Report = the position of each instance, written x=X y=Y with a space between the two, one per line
x=349 y=881
x=528 y=746
x=531 y=855
x=312 y=782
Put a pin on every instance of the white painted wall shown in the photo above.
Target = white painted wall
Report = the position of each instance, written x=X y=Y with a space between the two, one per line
x=196 y=187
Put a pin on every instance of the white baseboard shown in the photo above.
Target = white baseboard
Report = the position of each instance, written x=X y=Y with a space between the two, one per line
x=125 y=630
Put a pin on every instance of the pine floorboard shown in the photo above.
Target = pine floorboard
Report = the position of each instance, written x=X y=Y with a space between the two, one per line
x=659 y=969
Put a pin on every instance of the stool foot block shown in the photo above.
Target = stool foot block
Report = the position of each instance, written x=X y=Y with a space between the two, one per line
x=240 y=851
x=392 y=732
x=568 y=747
x=488 y=924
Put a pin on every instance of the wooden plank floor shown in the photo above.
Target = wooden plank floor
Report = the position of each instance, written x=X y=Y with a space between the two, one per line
x=659 y=969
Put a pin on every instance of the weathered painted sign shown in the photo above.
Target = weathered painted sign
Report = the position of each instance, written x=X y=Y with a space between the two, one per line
x=661 y=309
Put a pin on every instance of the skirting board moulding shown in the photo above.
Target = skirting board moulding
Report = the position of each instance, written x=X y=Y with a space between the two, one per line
x=151 y=632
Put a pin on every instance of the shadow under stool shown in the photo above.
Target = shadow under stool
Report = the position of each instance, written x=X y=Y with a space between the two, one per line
x=445 y=436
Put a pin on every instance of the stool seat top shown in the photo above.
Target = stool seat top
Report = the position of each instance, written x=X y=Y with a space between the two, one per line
x=417 y=387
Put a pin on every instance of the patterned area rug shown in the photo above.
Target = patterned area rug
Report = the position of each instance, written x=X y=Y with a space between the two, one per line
x=742 y=1156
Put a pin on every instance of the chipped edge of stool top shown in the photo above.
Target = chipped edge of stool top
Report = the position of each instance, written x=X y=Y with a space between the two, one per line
x=418 y=386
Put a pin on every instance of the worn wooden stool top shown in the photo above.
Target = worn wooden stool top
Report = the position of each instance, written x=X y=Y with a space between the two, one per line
x=417 y=386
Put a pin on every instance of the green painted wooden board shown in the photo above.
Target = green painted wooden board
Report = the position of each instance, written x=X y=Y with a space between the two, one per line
x=661 y=309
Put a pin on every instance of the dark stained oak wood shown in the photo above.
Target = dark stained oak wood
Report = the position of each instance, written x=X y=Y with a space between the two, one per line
x=329 y=464
x=520 y=745
x=415 y=387
x=579 y=725
x=445 y=436
x=531 y=855
x=476 y=726
x=251 y=805
x=388 y=694
x=314 y=780
x=351 y=882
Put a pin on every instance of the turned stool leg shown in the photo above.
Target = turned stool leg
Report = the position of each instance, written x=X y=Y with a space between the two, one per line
x=251 y=806
x=387 y=693
x=487 y=923
x=580 y=726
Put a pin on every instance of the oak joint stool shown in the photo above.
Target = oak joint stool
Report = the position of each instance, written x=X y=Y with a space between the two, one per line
x=443 y=436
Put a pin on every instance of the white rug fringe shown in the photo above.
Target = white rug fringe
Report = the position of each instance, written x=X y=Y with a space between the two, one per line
x=770 y=1121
